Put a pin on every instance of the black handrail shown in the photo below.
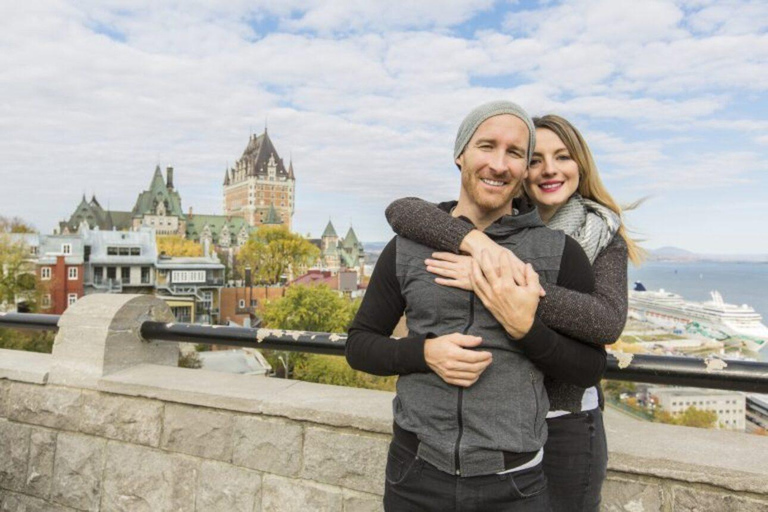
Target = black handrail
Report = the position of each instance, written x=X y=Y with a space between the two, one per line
x=711 y=373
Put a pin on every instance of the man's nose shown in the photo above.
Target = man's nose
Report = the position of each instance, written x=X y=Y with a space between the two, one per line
x=498 y=162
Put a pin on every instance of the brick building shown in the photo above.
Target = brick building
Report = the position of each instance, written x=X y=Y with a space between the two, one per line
x=60 y=270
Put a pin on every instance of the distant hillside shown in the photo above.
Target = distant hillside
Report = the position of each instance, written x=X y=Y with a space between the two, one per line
x=682 y=255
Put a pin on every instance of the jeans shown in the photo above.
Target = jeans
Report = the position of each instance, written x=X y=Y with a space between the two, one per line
x=575 y=461
x=413 y=485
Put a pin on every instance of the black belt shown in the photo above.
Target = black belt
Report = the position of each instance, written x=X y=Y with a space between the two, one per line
x=409 y=441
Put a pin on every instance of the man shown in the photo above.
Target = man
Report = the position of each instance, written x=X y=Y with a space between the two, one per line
x=470 y=406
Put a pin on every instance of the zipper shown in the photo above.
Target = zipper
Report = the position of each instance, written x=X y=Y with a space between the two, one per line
x=536 y=400
x=460 y=399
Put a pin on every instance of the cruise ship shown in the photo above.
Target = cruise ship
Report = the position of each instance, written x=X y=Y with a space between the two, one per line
x=713 y=319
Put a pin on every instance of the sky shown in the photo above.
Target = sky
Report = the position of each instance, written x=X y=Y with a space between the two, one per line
x=366 y=98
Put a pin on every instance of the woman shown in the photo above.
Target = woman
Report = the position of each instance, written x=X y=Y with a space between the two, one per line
x=564 y=184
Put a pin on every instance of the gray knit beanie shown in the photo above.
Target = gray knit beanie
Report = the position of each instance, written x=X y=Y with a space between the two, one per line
x=483 y=112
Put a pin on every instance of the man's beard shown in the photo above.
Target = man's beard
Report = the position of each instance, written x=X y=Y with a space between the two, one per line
x=487 y=202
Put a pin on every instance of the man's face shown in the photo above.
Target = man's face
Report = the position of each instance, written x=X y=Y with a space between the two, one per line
x=494 y=162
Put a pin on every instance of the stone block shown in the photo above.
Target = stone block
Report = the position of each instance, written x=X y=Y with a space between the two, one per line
x=280 y=494
x=226 y=487
x=140 y=479
x=12 y=502
x=362 y=502
x=696 y=500
x=42 y=447
x=197 y=431
x=132 y=420
x=624 y=495
x=77 y=471
x=269 y=445
x=48 y=406
x=14 y=450
x=345 y=459
x=23 y=366
x=100 y=334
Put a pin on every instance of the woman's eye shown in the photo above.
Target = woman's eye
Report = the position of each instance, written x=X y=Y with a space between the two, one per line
x=564 y=157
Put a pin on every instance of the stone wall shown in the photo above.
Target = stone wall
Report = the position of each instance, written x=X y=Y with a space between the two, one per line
x=94 y=433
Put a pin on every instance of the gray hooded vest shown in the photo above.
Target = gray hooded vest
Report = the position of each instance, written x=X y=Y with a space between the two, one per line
x=464 y=431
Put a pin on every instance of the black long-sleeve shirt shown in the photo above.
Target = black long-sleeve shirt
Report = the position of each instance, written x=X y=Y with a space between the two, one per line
x=369 y=347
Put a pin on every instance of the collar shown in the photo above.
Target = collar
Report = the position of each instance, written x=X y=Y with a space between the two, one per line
x=527 y=217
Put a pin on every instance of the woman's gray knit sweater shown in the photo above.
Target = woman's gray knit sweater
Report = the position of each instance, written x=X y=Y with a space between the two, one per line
x=597 y=318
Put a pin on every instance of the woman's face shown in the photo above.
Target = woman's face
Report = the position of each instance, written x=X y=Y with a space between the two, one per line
x=553 y=175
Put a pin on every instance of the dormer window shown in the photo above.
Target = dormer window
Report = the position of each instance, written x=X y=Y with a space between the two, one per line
x=66 y=248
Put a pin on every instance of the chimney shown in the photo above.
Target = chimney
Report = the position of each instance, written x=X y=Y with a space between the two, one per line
x=169 y=179
x=190 y=212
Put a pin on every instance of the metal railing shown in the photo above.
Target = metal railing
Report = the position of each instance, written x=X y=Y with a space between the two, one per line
x=711 y=373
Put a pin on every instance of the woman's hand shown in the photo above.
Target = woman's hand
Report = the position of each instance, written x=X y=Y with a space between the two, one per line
x=512 y=304
x=454 y=270
x=477 y=243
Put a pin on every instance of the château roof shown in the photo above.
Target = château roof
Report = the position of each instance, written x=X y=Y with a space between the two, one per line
x=257 y=155
x=196 y=224
x=351 y=239
x=158 y=192
x=329 y=231
x=94 y=215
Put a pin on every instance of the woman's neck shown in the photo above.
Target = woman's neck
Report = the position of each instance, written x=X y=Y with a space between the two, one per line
x=546 y=212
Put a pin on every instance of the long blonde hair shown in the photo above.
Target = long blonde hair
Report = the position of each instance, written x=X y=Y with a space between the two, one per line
x=590 y=184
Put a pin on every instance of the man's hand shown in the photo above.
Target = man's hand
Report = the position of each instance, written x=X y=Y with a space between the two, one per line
x=476 y=243
x=512 y=304
x=447 y=357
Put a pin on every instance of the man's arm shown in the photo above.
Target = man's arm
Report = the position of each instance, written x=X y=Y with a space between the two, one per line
x=369 y=346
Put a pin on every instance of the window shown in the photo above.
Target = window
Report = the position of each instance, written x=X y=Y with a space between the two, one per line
x=241 y=304
x=72 y=273
x=66 y=248
x=45 y=273
x=33 y=250
x=125 y=275
x=98 y=274
x=111 y=251
x=124 y=251
x=144 y=275
x=111 y=273
x=207 y=300
x=46 y=302
x=71 y=299
x=253 y=303
x=188 y=276
x=135 y=251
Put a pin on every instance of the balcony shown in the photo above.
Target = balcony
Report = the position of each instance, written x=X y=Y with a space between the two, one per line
x=108 y=422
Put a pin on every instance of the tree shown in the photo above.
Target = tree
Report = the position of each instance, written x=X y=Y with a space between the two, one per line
x=175 y=245
x=691 y=417
x=306 y=308
x=273 y=251
x=15 y=225
x=17 y=272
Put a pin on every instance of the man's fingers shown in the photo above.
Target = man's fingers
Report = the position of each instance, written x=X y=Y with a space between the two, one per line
x=464 y=383
x=479 y=282
x=532 y=277
x=465 y=340
x=473 y=356
x=446 y=256
x=442 y=271
x=462 y=366
x=489 y=270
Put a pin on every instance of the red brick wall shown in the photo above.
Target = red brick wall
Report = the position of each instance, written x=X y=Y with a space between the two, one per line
x=60 y=286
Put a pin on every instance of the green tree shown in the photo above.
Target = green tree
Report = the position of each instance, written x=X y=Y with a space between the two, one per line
x=691 y=417
x=273 y=251
x=335 y=370
x=17 y=273
x=306 y=308
x=31 y=341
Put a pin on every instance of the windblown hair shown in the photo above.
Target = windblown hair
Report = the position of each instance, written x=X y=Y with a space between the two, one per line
x=590 y=184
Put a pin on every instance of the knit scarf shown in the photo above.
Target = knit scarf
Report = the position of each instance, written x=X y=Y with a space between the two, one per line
x=589 y=223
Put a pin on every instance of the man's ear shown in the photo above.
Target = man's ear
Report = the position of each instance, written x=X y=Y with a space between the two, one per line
x=460 y=161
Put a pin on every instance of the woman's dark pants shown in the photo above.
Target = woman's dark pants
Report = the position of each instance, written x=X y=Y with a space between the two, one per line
x=575 y=461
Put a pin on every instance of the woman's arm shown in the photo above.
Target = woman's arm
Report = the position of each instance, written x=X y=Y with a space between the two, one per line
x=597 y=317
x=427 y=224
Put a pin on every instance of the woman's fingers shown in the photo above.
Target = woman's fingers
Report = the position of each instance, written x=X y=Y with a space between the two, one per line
x=446 y=256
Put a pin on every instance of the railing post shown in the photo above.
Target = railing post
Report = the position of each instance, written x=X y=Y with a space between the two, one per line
x=101 y=334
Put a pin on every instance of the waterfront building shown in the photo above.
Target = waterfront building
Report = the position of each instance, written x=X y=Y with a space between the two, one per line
x=60 y=260
x=191 y=286
x=258 y=182
x=120 y=261
x=729 y=405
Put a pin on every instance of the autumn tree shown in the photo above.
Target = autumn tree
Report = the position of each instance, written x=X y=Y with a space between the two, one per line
x=17 y=272
x=691 y=417
x=306 y=308
x=175 y=245
x=273 y=251
x=15 y=225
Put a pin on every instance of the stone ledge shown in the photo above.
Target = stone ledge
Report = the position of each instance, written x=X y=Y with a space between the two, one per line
x=23 y=366
x=731 y=460
x=303 y=401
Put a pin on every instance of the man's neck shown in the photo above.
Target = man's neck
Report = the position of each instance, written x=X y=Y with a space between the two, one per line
x=480 y=217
